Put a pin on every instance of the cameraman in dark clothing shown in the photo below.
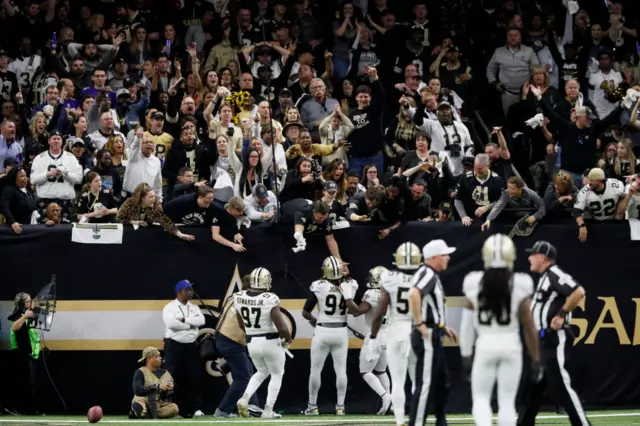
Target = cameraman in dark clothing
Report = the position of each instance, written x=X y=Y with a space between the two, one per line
x=25 y=346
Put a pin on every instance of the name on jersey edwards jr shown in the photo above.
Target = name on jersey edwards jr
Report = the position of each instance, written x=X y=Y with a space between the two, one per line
x=250 y=302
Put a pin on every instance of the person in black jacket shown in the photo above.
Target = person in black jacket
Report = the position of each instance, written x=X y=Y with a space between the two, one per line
x=183 y=154
x=109 y=174
x=192 y=209
x=301 y=182
x=17 y=203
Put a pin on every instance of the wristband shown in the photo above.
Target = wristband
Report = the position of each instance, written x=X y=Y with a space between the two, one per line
x=562 y=313
x=582 y=225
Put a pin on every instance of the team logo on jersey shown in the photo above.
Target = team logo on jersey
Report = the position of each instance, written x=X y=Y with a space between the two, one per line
x=217 y=367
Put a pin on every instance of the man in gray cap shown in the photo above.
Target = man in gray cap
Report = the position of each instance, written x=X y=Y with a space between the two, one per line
x=555 y=297
x=152 y=388
x=262 y=206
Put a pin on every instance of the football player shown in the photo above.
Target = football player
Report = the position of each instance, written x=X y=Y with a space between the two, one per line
x=373 y=367
x=394 y=296
x=331 y=334
x=258 y=313
x=497 y=303
x=597 y=200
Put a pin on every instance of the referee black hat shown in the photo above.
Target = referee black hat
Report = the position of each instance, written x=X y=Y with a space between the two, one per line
x=544 y=247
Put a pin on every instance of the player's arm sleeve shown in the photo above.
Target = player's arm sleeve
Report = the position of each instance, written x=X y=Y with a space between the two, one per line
x=467 y=328
x=139 y=388
x=581 y=203
x=499 y=206
x=310 y=303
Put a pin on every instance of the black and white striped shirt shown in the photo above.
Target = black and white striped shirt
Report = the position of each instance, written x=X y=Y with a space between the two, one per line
x=554 y=286
x=433 y=300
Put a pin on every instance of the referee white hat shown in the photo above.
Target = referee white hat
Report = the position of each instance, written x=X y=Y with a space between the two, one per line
x=436 y=248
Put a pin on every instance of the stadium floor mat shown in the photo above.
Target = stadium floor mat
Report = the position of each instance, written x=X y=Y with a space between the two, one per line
x=598 y=418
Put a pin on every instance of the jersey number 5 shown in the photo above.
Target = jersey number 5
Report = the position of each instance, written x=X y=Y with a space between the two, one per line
x=246 y=316
x=402 y=300
x=333 y=305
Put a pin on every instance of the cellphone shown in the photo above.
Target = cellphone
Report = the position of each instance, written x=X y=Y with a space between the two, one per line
x=192 y=45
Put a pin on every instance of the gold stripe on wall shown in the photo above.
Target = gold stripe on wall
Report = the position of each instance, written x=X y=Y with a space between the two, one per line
x=138 y=345
x=158 y=305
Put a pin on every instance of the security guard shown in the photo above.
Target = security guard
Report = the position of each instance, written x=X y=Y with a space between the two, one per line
x=152 y=387
x=231 y=345
x=25 y=346
x=556 y=296
x=427 y=306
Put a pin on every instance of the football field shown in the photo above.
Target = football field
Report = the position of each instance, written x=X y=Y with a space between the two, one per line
x=598 y=418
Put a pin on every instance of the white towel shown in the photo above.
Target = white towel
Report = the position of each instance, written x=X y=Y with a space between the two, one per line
x=572 y=6
x=535 y=121
x=631 y=98
x=634 y=227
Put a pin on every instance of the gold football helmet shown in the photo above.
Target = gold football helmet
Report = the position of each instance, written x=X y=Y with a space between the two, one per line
x=498 y=251
x=408 y=256
x=375 y=275
x=261 y=279
x=332 y=268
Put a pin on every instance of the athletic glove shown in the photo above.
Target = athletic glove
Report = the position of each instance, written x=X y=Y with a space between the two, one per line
x=347 y=290
x=371 y=350
x=301 y=243
x=467 y=365
x=537 y=371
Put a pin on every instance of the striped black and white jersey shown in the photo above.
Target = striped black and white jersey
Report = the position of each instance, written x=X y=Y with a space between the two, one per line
x=554 y=286
x=433 y=300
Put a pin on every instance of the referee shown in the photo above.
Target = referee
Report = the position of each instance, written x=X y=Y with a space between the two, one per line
x=181 y=355
x=427 y=304
x=556 y=295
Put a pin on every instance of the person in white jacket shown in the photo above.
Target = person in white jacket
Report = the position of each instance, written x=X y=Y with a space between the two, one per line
x=55 y=173
x=143 y=167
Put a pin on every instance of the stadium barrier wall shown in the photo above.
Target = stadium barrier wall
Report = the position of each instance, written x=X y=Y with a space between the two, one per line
x=110 y=299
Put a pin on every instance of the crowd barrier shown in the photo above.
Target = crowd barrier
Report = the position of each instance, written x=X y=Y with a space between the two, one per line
x=110 y=299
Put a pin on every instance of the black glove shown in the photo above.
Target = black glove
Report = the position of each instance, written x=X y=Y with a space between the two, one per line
x=537 y=371
x=467 y=365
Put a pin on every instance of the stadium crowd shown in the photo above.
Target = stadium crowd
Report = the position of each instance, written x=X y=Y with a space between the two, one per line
x=233 y=113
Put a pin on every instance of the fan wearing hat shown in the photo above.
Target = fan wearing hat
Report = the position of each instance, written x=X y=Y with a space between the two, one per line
x=182 y=320
x=262 y=206
x=261 y=53
x=556 y=295
x=152 y=388
x=597 y=200
x=329 y=193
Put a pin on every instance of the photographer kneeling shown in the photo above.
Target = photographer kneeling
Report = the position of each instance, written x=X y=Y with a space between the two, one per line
x=25 y=346
x=152 y=387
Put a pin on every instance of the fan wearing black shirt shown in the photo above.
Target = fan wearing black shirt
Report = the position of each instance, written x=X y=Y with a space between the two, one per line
x=499 y=155
x=224 y=225
x=391 y=209
x=96 y=205
x=478 y=191
x=314 y=219
x=417 y=202
x=192 y=209
x=364 y=205
x=336 y=209
x=8 y=79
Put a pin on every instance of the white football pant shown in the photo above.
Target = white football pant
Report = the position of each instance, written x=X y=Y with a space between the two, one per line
x=268 y=357
x=491 y=364
x=401 y=360
x=325 y=341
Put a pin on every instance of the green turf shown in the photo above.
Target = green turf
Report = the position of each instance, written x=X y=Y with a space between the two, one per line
x=598 y=418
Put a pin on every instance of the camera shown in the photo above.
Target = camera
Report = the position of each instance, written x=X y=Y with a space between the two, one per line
x=455 y=149
x=316 y=169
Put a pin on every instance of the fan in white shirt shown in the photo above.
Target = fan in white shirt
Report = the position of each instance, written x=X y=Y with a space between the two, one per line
x=55 y=172
x=143 y=167
x=605 y=80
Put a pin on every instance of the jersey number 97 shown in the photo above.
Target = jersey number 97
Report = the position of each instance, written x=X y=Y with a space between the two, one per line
x=247 y=314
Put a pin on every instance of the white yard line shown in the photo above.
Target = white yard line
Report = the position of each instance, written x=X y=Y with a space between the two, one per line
x=307 y=420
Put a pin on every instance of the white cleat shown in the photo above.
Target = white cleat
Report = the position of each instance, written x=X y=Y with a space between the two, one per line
x=198 y=413
x=243 y=408
x=270 y=415
x=311 y=410
x=386 y=403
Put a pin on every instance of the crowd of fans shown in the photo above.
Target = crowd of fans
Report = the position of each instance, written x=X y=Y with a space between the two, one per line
x=235 y=113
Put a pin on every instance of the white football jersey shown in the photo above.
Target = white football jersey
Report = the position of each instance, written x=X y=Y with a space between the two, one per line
x=487 y=326
x=600 y=206
x=25 y=69
x=397 y=284
x=372 y=297
x=331 y=304
x=633 y=208
x=256 y=311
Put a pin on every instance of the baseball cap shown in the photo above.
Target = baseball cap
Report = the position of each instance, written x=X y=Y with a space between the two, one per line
x=445 y=206
x=147 y=352
x=157 y=116
x=436 y=248
x=330 y=186
x=544 y=247
x=3 y=53
x=444 y=104
x=182 y=284
x=122 y=92
x=260 y=191
x=596 y=174
x=468 y=161
x=285 y=92
x=76 y=141
x=453 y=48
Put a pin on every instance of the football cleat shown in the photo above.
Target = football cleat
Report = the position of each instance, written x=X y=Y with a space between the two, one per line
x=270 y=414
x=340 y=411
x=311 y=411
x=243 y=408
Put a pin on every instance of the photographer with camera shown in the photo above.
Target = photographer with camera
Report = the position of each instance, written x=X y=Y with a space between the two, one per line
x=446 y=134
x=25 y=348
